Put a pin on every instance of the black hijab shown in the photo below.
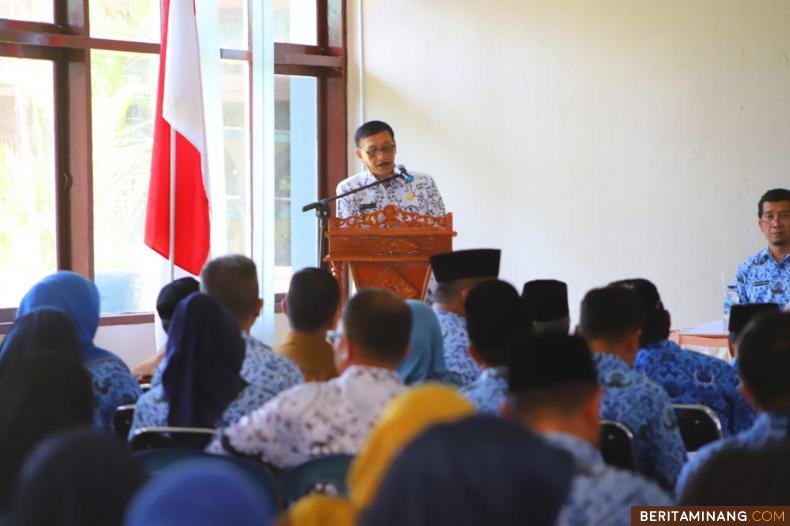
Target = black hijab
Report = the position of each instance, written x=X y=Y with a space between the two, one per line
x=205 y=352
x=77 y=478
x=43 y=331
x=38 y=396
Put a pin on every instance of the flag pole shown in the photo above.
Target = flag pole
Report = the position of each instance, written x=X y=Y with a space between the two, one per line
x=172 y=202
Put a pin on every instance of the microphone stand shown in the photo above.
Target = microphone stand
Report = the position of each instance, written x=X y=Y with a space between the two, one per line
x=321 y=208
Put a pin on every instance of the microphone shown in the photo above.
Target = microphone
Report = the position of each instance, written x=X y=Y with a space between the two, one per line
x=400 y=171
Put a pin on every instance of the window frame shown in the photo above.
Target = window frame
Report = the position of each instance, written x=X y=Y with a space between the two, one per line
x=68 y=44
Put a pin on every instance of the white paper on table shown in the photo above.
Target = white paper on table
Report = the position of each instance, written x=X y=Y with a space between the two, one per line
x=711 y=328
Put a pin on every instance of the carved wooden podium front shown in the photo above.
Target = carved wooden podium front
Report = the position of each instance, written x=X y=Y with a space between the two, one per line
x=388 y=248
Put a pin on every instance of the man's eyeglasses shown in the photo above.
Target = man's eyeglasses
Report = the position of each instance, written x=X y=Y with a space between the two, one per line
x=783 y=217
x=386 y=150
x=333 y=337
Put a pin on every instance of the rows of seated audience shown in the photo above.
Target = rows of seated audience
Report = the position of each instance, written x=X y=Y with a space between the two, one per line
x=479 y=409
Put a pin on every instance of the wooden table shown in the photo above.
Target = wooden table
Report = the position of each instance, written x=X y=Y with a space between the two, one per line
x=710 y=344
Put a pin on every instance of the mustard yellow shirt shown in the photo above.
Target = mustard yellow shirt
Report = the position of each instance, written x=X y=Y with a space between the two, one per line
x=312 y=353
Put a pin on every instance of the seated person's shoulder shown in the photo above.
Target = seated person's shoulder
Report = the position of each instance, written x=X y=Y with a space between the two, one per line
x=297 y=399
x=640 y=489
x=114 y=369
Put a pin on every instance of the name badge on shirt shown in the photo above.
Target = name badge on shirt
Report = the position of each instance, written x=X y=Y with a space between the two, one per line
x=367 y=206
x=760 y=284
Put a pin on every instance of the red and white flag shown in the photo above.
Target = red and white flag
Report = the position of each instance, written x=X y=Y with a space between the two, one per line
x=179 y=103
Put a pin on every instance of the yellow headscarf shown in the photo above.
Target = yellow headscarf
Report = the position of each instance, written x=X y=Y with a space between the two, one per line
x=405 y=417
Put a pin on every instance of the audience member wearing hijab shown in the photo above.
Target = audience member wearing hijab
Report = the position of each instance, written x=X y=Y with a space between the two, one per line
x=480 y=470
x=44 y=331
x=40 y=396
x=201 y=385
x=425 y=359
x=405 y=417
x=113 y=384
x=200 y=493
x=77 y=478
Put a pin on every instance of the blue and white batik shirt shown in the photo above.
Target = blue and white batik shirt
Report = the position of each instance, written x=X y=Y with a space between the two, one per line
x=643 y=406
x=420 y=196
x=489 y=391
x=760 y=279
x=313 y=419
x=768 y=428
x=602 y=495
x=262 y=367
x=689 y=377
x=456 y=342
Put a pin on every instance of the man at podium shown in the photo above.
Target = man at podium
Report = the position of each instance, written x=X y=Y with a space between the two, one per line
x=412 y=191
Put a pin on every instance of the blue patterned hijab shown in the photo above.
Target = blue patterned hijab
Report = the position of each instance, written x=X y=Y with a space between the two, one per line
x=78 y=297
x=425 y=360
x=200 y=493
x=205 y=352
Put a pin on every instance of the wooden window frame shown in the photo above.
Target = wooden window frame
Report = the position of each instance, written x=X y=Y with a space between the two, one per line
x=68 y=44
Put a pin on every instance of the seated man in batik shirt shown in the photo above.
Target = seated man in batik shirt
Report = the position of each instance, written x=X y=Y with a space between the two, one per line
x=765 y=277
x=688 y=377
x=457 y=273
x=611 y=322
x=554 y=390
x=493 y=316
x=332 y=417
x=764 y=365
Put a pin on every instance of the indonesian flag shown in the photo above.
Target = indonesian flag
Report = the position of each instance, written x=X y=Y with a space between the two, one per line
x=179 y=103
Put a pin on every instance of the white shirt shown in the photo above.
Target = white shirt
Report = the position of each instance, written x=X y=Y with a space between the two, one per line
x=420 y=196
x=313 y=419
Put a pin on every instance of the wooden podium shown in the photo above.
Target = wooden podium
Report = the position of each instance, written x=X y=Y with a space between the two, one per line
x=388 y=248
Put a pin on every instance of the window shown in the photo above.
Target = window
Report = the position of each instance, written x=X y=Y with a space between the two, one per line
x=27 y=175
x=295 y=128
x=77 y=97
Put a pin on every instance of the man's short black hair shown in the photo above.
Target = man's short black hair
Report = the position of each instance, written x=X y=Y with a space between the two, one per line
x=372 y=128
x=550 y=372
x=609 y=313
x=776 y=194
x=764 y=360
x=493 y=315
x=312 y=299
x=171 y=295
x=233 y=281
x=379 y=321
x=656 y=319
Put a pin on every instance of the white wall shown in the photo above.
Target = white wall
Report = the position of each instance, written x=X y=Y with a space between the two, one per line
x=591 y=140
x=133 y=343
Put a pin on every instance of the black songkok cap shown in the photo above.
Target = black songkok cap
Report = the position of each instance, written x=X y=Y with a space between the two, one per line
x=547 y=360
x=493 y=315
x=545 y=299
x=461 y=264
x=743 y=313
x=171 y=294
